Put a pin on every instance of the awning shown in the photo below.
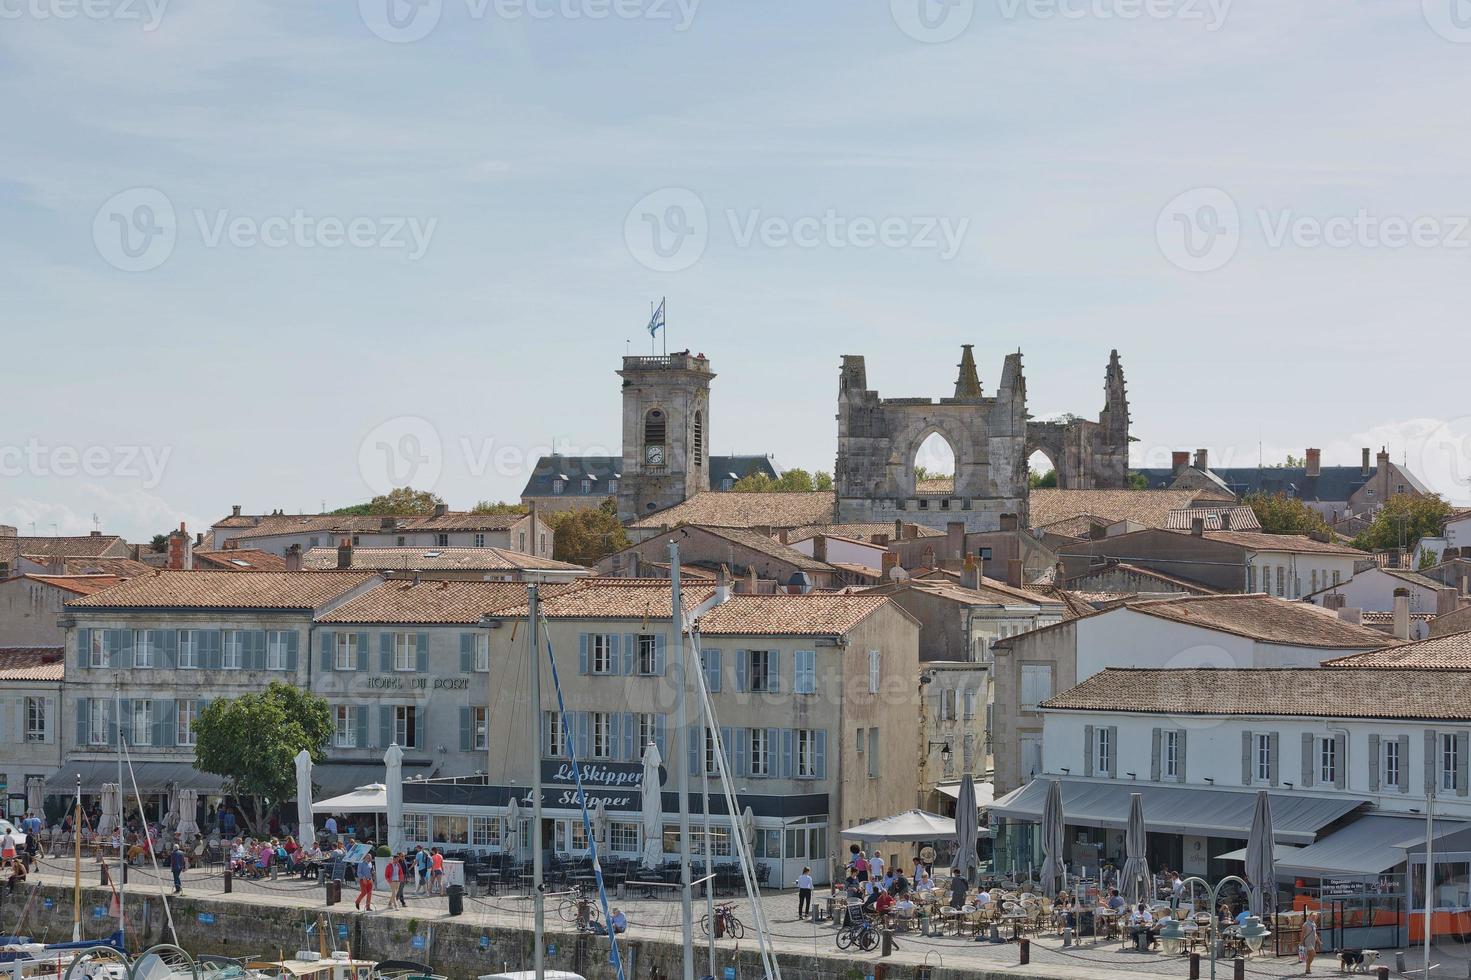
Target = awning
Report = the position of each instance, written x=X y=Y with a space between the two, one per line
x=985 y=792
x=152 y=777
x=372 y=798
x=337 y=778
x=911 y=825
x=1177 y=809
x=1280 y=853
x=1368 y=846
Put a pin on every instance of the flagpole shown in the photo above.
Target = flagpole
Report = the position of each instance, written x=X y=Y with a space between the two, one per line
x=664 y=308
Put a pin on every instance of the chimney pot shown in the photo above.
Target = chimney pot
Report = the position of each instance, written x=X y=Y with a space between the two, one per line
x=1364 y=466
x=1402 y=614
x=1202 y=459
x=441 y=509
x=1314 y=462
x=235 y=510
x=344 y=553
x=819 y=547
x=1197 y=527
x=1179 y=461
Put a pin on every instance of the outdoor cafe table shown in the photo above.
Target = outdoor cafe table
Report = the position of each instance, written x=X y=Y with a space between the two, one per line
x=1016 y=918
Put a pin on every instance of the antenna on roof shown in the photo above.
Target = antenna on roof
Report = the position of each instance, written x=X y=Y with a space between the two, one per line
x=96 y=522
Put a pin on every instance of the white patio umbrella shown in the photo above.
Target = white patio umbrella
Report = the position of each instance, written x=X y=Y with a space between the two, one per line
x=306 y=831
x=748 y=827
x=1054 y=841
x=1136 y=866
x=108 y=822
x=653 y=809
x=907 y=827
x=511 y=842
x=1261 y=866
x=600 y=823
x=967 y=827
x=393 y=781
x=188 y=805
x=35 y=793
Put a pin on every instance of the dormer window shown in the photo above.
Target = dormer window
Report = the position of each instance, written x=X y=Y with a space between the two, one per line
x=558 y=486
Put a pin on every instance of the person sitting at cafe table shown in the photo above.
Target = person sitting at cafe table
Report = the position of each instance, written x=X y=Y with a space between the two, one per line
x=923 y=885
x=1066 y=907
x=1115 y=900
x=900 y=885
x=1141 y=922
x=957 y=889
x=883 y=902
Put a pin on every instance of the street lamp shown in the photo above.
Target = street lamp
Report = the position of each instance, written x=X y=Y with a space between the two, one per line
x=1214 y=891
x=1172 y=936
x=1254 y=933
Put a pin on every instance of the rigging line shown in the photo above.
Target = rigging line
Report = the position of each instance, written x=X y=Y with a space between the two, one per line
x=597 y=867
x=148 y=836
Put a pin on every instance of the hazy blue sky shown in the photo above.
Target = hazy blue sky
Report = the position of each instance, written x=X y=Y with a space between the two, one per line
x=1260 y=204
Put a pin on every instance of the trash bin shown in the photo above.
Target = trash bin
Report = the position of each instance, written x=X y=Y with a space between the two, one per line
x=456 y=899
x=334 y=892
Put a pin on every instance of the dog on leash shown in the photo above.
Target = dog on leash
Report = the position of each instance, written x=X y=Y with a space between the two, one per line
x=1357 y=960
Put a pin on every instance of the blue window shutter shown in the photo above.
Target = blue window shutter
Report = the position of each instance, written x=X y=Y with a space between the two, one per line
x=632 y=751
x=743 y=753
x=124 y=722
x=419 y=716
x=773 y=746
x=84 y=720
x=773 y=671
x=258 y=641
x=467 y=653
x=84 y=652
x=819 y=754
x=292 y=639
x=582 y=736
x=421 y=647
x=465 y=736
x=727 y=748
x=615 y=735
x=385 y=726
x=363 y=652
x=713 y=672
x=786 y=753
x=214 y=643
x=694 y=737
x=167 y=642
x=582 y=665
x=615 y=662
x=630 y=653
x=328 y=642
x=167 y=713
x=743 y=663
x=385 y=652
x=659 y=739
x=660 y=644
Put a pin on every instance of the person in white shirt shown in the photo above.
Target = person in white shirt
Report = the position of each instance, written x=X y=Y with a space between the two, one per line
x=804 y=893
x=923 y=885
x=7 y=847
x=1177 y=890
x=918 y=870
x=876 y=866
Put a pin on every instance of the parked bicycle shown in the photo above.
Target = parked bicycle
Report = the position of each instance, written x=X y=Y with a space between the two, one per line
x=864 y=934
x=729 y=924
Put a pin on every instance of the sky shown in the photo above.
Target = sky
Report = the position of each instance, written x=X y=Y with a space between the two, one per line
x=286 y=255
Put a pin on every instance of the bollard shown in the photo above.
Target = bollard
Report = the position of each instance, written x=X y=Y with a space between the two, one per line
x=1382 y=973
x=886 y=942
x=1238 y=969
x=334 y=892
x=1026 y=945
x=1194 y=966
x=1399 y=960
x=229 y=881
x=1067 y=934
x=107 y=879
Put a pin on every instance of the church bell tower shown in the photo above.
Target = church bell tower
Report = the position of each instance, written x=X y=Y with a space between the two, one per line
x=666 y=432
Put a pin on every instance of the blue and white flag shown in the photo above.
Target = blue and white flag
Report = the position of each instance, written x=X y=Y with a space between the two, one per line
x=657 y=320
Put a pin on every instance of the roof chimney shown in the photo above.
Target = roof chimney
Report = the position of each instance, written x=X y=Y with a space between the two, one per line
x=1008 y=522
x=751 y=580
x=1335 y=601
x=1315 y=462
x=1364 y=467
x=971 y=578
x=344 y=553
x=1354 y=617
x=898 y=529
x=1197 y=527
x=955 y=539
x=1445 y=600
x=1202 y=459
x=1179 y=461
x=819 y=547
x=180 y=549
x=1014 y=573
x=441 y=509
x=293 y=558
x=1402 y=614
x=388 y=523
x=235 y=510
x=1225 y=520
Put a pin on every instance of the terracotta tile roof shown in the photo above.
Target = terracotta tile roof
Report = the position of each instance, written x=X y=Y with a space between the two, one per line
x=860 y=531
x=84 y=565
x=436 y=559
x=1260 y=541
x=793 y=509
x=991 y=592
x=1449 y=652
x=434 y=602
x=31 y=663
x=1413 y=578
x=615 y=599
x=226 y=590
x=76 y=584
x=80 y=545
x=240 y=560
x=1242 y=518
x=1150 y=508
x=936 y=485
x=1263 y=618
x=772 y=548
x=1075 y=527
x=1074 y=604
x=816 y=614
x=1320 y=692
x=1172 y=583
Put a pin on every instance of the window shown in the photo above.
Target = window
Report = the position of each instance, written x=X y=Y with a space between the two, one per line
x=97 y=721
x=277 y=644
x=97 y=656
x=1449 y=759
x=142 y=722
x=405 y=719
x=346 y=733
x=143 y=651
x=234 y=650
x=699 y=447
x=1251 y=578
x=586 y=487
x=873 y=753
x=441 y=540
x=1392 y=763
x=405 y=652
x=558 y=486
x=416 y=828
x=1327 y=760
x=479 y=540
x=451 y=830
x=768 y=843
x=873 y=672
x=648 y=732
x=806 y=739
x=654 y=428
x=862 y=740
x=760 y=671
x=648 y=653
x=623 y=837
x=612 y=486
x=1036 y=685
x=480 y=728
x=35 y=719
x=1169 y=755
x=1102 y=750
x=712 y=765
x=1336 y=575
x=1261 y=757
x=347 y=651
x=1281 y=580
x=949 y=705
x=484 y=831
x=601 y=724
x=188 y=649
x=600 y=654
x=185 y=711
x=399 y=541
x=1313 y=581
x=804 y=680
x=556 y=736
x=726 y=484
x=760 y=752
x=482 y=652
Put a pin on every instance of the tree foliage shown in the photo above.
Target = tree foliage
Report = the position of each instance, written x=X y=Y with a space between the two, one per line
x=1290 y=463
x=1429 y=559
x=159 y=544
x=794 y=480
x=1138 y=481
x=252 y=742
x=1403 y=521
x=586 y=535
x=1280 y=514
x=499 y=507
x=402 y=502
x=922 y=473
x=1040 y=480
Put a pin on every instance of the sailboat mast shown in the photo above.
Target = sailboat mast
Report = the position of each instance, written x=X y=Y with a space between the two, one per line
x=122 y=840
x=77 y=874
x=682 y=776
x=537 y=903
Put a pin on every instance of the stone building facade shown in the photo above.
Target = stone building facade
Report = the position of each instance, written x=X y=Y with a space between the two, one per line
x=666 y=434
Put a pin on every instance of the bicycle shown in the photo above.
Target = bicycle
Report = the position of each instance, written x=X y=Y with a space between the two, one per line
x=729 y=924
x=567 y=908
x=864 y=934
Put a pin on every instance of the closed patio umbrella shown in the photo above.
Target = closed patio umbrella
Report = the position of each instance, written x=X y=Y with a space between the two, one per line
x=108 y=822
x=511 y=843
x=1054 y=842
x=1136 y=865
x=652 y=810
x=967 y=827
x=1261 y=865
x=600 y=823
x=35 y=790
x=748 y=827
x=188 y=804
x=306 y=832
x=393 y=782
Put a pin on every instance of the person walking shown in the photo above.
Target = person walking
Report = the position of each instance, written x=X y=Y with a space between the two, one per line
x=366 y=872
x=804 y=893
x=1310 y=942
x=178 y=862
x=7 y=848
x=876 y=867
x=421 y=869
x=1177 y=890
x=393 y=877
x=436 y=872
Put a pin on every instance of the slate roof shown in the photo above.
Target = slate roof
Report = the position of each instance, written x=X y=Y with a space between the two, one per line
x=226 y=590
x=815 y=614
x=1150 y=508
x=1333 y=483
x=31 y=663
x=436 y=559
x=782 y=509
x=1452 y=652
x=434 y=602
x=600 y=469
x=1318 y=692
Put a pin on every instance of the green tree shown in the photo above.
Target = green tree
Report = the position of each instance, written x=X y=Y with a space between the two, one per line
x=795 y=480
x=1290 y=463
x=402 y=502
x=159 y=544
x=252 y=742
x=1403 y=521
x=822 y=480
x=1038 y=480
x=925 y=473
x=499 y=507
x=1429 y=559
x=1280 y=514
x=586 y=535
x=1138 y=481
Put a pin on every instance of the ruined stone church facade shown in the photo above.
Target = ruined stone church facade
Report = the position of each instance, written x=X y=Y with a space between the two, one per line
x=992 y=439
